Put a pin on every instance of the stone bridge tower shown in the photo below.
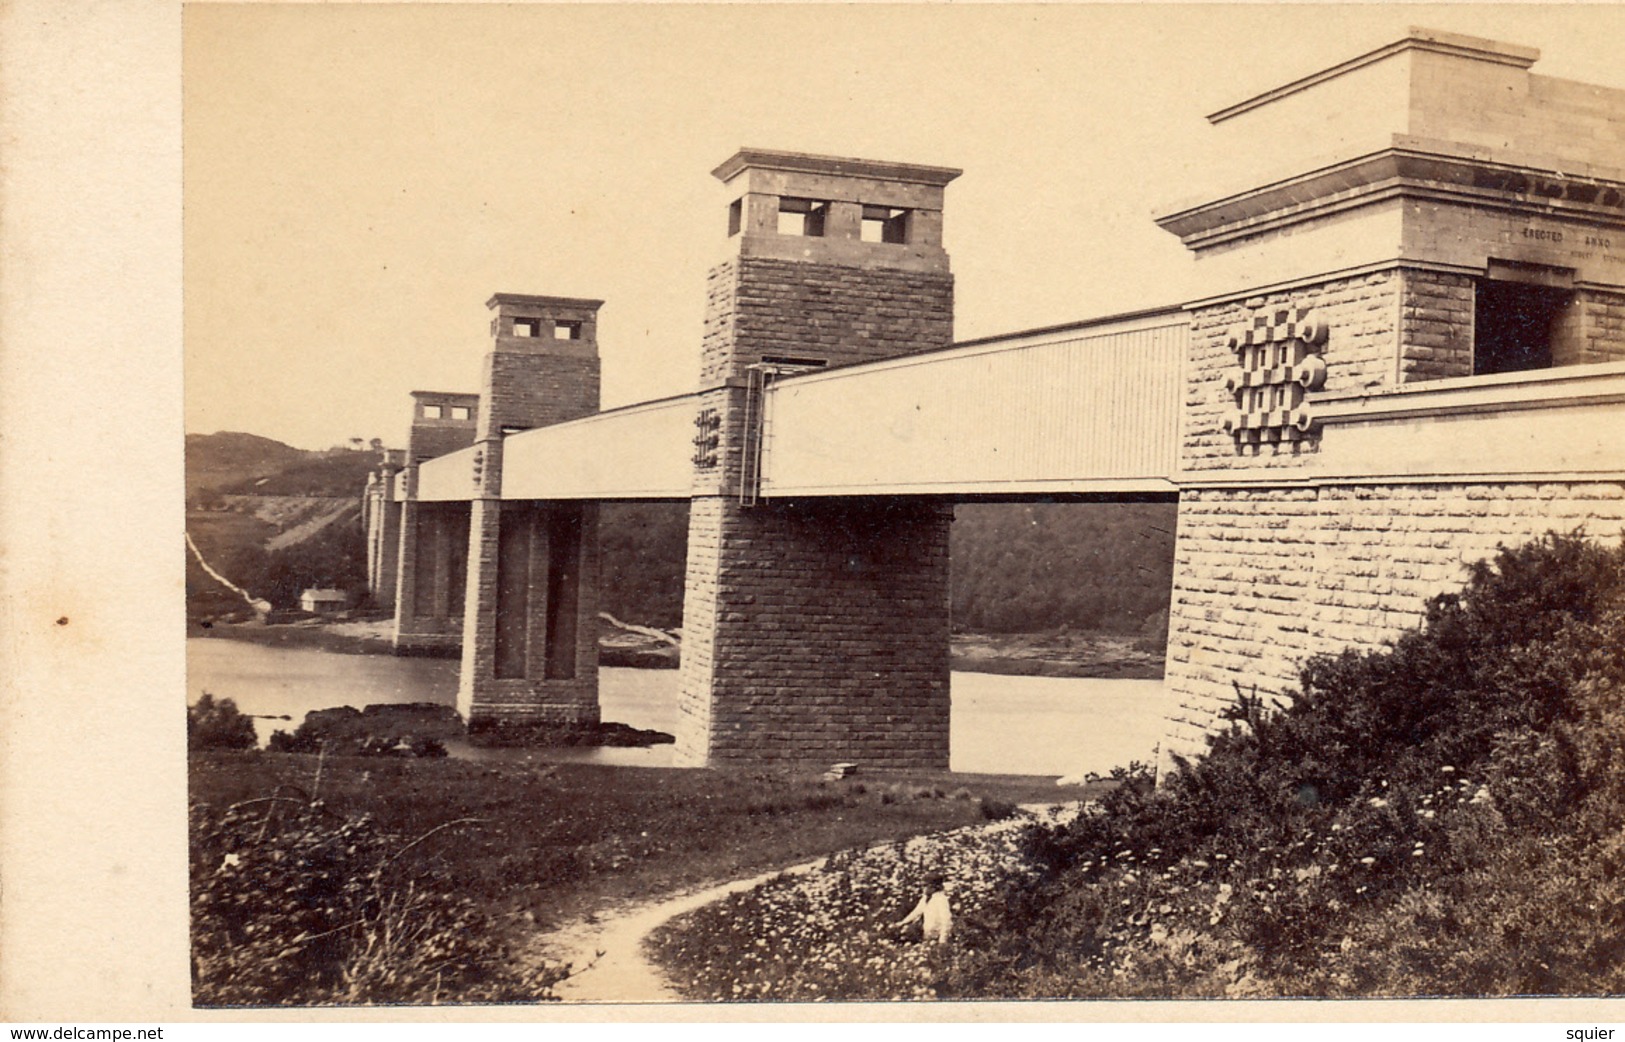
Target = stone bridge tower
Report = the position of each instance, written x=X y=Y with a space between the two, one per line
x=814 y=631
x=530 y=640
x=432 y=556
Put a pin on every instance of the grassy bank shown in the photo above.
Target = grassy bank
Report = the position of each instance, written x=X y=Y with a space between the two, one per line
x=534 y=845
x=1444 y=818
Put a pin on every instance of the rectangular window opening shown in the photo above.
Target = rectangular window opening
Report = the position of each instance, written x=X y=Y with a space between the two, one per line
x=1515 y=325
x=433 y=412
x=564 y=330
x=461 y=412
x=527 y=327
x=884 y=224
x=802 y=217
x=736 y=216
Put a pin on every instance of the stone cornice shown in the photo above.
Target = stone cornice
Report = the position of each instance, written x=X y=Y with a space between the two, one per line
x=533 y=300
x=805 y=163
x=1411 y=169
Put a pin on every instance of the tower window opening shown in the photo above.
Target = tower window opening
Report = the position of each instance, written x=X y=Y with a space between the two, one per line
x=802 y=217
x=461 y=412
x=432 y=412
x=736 y=216
x=884 y=224
x=563 y=330
x=527 y=327
x=1515 y=325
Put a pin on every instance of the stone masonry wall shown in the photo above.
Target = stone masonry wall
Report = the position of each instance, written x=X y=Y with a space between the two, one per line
x=1595 y=330
x=820 y=636
x=1436 y=326
x=838 y=313
x=530 y=390
x=1263 y=578
x=1360 y=352
x=433 y=562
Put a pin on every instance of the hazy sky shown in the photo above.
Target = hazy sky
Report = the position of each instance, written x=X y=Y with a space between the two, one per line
x=360 y=179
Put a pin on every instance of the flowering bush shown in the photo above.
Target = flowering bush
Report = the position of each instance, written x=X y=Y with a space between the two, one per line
x=833 y=933
x=294 y=906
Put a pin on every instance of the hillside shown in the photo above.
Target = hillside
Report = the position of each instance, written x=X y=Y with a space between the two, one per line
x=271 y=518
x=230 y=459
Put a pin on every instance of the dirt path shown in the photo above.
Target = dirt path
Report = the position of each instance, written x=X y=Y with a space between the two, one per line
x=610 y=946
x=623 y=973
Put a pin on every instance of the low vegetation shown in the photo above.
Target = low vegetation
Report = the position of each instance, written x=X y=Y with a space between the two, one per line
x=293 y=904
x=218 y=724
x=306 y=869
x=1442 y=818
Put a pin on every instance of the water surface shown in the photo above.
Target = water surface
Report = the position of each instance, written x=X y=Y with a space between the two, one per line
x=999 y=724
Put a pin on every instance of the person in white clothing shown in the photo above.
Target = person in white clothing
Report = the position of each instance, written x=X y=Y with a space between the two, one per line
x=936 y=919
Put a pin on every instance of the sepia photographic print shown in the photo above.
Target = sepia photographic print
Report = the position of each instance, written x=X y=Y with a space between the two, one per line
x=740 y=507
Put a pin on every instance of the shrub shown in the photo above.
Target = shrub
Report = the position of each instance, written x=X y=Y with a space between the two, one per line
x=1429 y=768
x=1444 y=817
x=212 y=724
x=292 y=905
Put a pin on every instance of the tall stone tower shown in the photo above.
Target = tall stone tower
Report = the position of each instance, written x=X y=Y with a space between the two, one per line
x=433 y=536
x=814 y=630
x=530 y=648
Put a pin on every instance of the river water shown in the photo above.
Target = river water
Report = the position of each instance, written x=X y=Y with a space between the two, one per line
x=999 y=724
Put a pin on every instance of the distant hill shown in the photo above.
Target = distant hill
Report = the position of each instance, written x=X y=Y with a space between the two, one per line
x=230 y=458
x=271 y=518
x=231 y=462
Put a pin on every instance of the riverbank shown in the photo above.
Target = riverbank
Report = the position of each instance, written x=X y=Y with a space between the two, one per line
x=540 y=845
x=1108 y=656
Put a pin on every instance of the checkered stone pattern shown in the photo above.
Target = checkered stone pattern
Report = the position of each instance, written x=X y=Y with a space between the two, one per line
x=1277 y=362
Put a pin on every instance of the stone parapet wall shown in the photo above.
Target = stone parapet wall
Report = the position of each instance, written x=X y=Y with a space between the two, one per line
x=816 y=632
x=1264 y=578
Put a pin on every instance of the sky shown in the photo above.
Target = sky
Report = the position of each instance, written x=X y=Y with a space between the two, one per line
x=359 y=180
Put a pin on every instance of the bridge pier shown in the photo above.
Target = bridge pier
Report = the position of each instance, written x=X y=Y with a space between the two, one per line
x=530 y=633
x=382 y=524
x=431 y=576
x=814 y=631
